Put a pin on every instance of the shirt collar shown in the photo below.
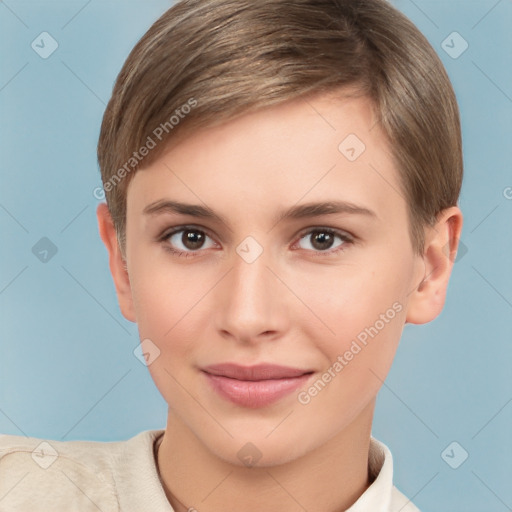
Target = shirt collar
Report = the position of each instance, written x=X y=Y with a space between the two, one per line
x=137 y=480
x=377 y=497
x=142 y=482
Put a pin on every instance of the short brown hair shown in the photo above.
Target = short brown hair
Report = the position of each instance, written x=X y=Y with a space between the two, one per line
x=208 y=61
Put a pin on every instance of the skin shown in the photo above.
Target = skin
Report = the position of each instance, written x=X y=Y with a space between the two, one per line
x=298 y=304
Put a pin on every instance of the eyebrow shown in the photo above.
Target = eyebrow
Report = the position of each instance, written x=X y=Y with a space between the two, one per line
x=301 y=211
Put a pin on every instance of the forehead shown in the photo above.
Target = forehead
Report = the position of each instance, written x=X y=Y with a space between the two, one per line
x=297 y=151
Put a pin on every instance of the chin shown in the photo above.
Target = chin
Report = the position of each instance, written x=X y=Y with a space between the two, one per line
x=258 y=451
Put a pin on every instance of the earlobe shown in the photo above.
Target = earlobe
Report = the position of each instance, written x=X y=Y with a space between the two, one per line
x=117 y=263
x=441 y=244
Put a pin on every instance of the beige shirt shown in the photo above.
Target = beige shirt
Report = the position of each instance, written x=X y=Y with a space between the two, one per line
x=86 y=476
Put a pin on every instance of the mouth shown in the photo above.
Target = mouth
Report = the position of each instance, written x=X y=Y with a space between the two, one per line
x=255 y=386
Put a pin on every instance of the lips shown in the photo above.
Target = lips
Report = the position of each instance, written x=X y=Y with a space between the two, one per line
x=254 y=386
x=258 y=372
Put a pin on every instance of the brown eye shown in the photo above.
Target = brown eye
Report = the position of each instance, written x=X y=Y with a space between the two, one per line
x=323 y=240
x=186 y=240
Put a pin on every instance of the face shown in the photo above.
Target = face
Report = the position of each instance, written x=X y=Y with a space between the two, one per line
x=324 y=291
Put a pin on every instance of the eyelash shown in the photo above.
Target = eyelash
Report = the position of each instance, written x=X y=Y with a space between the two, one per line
x=346 y=238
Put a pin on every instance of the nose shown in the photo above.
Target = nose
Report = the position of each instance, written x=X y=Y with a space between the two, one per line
x=252 y=302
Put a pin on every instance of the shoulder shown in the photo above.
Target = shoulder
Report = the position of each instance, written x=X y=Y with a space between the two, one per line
x=82 y=473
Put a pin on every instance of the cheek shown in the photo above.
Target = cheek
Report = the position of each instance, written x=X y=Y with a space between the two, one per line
x=167 y=315
x=360 y=318
x=172 y=315
x=345 y=301
x=162 y=294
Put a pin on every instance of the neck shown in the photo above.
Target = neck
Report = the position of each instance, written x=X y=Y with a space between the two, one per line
x=328 y=479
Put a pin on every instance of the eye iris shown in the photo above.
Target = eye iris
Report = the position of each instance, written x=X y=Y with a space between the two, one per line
x=322 y=237
x=192 y=239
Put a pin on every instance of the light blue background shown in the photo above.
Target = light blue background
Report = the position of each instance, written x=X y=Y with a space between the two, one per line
x=67 y=369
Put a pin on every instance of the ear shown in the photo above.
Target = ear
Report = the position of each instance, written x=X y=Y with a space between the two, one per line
x=441 y=244
x=116 y=262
